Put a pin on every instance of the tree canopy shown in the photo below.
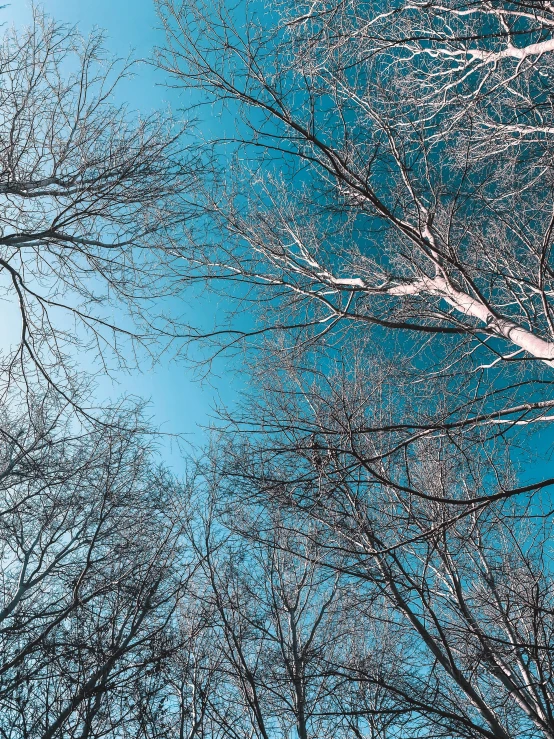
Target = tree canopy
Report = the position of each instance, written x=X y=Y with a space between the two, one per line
x=364 y=548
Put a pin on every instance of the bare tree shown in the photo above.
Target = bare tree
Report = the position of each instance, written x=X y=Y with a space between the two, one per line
x=345 y=96
x=91 y=197
x=452 y=611
x=374 y=565
x=92 y=569
x=277 y=625
x=388 y=191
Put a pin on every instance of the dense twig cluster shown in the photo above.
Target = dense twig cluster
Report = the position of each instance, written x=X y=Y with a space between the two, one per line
x=90 y=202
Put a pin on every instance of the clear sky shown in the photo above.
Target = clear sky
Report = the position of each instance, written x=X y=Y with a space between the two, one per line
x=179 y=403
x=130 y=24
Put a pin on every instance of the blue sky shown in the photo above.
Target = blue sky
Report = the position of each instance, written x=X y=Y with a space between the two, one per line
x=179 y=403
x=130 y=24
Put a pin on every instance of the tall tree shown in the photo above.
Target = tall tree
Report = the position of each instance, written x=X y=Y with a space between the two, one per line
x=390 y=193
x=91 y=195
x=279 y=632
x=92 y=570
x=450 y=627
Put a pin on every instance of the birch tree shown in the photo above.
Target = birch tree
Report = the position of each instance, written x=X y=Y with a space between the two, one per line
x=396 y=133
x=388 y=191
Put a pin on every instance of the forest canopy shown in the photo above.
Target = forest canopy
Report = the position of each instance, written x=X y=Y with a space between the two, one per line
x=364 y=547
